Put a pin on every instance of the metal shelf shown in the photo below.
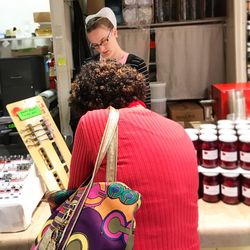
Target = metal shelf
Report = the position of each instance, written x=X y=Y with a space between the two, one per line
x=25 y=38
x=176 y=23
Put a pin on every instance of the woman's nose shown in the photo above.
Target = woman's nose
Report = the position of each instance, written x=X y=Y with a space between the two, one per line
x=101 y=48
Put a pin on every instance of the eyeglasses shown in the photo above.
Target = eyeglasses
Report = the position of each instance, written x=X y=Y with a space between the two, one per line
x=104 y=42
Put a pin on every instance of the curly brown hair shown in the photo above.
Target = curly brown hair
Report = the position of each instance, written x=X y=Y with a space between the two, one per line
x=101 y=84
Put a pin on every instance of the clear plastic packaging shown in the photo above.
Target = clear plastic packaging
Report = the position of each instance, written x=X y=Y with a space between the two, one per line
x=130 y=2
x=144 y=2
x=130 y=15
x=158 y=90
x=145 y=15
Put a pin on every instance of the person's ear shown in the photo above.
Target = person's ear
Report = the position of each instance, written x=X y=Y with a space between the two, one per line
x=115 y=33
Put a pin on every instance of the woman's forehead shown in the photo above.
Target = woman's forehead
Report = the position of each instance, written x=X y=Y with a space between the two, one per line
x=97 y=34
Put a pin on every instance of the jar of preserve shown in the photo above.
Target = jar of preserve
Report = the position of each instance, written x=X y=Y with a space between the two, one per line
x=209 y=150
x=245 y=189
x=230 y=188
x=211 y=187
x=228 y=151
x=244 y=151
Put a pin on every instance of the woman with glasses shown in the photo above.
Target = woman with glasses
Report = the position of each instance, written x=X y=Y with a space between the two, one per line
x=102 y=34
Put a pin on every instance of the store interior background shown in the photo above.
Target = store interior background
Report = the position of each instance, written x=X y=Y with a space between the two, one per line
x=20 y=13
x=223 y=47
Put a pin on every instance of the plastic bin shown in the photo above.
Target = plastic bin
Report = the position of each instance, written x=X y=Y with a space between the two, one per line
x=159 y=105
x=158 y=90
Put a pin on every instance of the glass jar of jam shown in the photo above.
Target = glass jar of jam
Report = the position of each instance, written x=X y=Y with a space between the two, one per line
x=211 y=187
x=209 y=150
x=245 y=189
x=244 y=151
x=230 y=188
x=228 y=151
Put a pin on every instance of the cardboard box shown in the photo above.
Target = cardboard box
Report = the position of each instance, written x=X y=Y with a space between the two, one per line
x=41 y=17
x=185 y=111
x=219 y=93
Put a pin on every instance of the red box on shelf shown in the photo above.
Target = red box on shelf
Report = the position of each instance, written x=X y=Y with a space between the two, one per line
x=219 y=93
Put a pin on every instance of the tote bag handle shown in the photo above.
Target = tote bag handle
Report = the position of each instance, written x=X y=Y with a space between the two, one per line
x=107 y=138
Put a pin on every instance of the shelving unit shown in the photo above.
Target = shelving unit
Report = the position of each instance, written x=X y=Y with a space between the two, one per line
x=25 y=38
x=177 y=23
x=220 y=170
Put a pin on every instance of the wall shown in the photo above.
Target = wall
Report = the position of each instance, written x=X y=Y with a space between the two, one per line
x=19 y=14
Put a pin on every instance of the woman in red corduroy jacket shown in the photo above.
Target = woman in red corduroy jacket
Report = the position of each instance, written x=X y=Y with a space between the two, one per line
x=155 y=155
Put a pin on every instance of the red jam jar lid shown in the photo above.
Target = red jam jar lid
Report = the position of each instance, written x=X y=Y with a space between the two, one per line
x=228 y=138
x=208 y=137
x=232 y=175
x=245 y=138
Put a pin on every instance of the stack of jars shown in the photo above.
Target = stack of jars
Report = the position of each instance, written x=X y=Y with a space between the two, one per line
x=225 y=148
x=231 y=188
